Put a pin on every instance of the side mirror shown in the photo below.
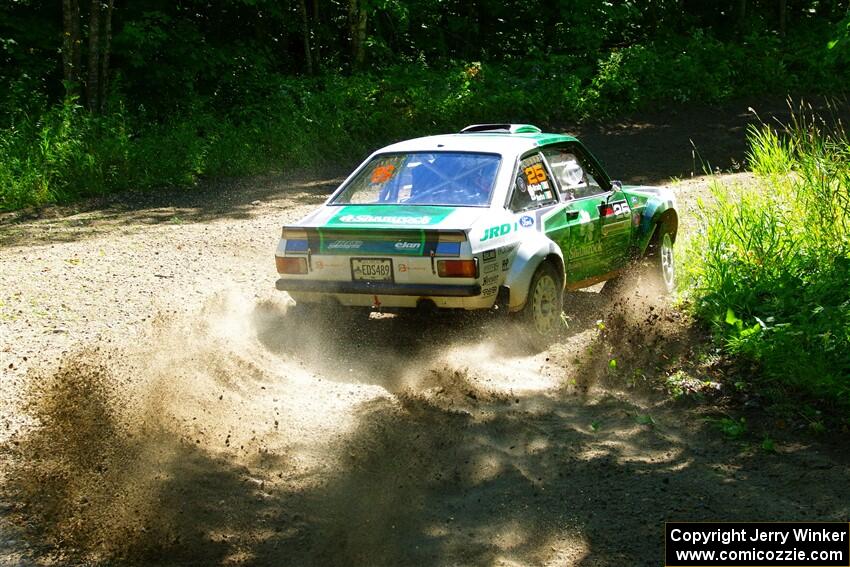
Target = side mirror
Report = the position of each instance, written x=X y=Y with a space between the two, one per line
x=616 y=185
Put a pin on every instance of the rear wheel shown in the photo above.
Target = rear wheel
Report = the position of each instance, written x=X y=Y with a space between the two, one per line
x=545 y=303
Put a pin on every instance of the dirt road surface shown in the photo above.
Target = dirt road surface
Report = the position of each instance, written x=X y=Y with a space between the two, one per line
x=162 y=405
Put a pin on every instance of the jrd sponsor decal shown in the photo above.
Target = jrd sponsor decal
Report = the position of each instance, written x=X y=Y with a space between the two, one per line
x=496 y=232
x=506 y=228
x=740 y=544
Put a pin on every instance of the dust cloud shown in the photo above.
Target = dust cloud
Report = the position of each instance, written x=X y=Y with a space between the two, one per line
x=241 y=433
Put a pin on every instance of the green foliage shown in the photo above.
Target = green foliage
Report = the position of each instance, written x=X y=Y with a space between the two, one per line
x=61 y=153
x=199 y=89
x=259 y=121
x=770 y=263
x=644 y=419
x=732 y=428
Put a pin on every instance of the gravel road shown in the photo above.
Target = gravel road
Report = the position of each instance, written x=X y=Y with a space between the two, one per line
x=161 y=405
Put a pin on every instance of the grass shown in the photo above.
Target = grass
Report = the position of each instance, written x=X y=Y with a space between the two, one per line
x=769 y=265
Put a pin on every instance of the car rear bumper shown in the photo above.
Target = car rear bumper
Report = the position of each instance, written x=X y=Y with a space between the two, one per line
x=379 y=288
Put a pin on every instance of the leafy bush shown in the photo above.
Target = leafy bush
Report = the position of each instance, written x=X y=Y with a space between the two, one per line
x=261 y=121
x=769 y=264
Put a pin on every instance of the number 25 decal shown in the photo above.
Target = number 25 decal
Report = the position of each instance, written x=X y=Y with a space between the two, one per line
x=535 y=173
x=613 y=209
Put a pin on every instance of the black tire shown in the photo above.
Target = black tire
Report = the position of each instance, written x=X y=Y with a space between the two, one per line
x=542 y=314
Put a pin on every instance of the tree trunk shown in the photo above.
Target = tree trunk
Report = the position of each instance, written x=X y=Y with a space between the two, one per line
x=70 y=45
x=352 y=30
x=305 y=25
x=93 y=82
x=317 y=43
x=742 y=12
x=360 y=50
x=783 y=15
x=107 y=48
x=77 y=53
x=67 y=41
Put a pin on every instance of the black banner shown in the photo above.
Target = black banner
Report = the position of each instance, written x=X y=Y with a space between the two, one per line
x=757 y=544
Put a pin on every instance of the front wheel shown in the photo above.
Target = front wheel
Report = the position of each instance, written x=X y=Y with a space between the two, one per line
x=545 y=303
x=663 y=265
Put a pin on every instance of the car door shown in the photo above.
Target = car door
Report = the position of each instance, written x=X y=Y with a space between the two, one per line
x=598 y=239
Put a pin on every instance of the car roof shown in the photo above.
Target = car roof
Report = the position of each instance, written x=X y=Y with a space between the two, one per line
x=503 y=143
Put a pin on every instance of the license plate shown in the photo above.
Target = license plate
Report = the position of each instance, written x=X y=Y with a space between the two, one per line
x=372 y=269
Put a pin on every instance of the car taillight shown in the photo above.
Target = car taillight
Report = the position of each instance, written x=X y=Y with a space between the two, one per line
x=293 y=234
x=291 y=265
x=457 y=268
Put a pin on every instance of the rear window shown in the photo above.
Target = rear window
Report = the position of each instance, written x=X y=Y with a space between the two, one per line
x=422 y=178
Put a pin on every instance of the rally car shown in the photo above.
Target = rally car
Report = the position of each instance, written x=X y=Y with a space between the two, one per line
x=497 y=216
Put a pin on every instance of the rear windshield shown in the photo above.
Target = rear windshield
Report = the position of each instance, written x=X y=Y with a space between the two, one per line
x=421 y=178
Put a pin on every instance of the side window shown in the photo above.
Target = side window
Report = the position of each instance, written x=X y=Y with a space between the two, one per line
x=533 y=187
x=575 y=178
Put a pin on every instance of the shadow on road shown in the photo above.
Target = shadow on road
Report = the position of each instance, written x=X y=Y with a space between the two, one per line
x=233 y=199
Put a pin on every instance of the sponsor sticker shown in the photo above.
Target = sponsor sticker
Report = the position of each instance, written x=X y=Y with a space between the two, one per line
x=616 y=208
x=540 y=191
x=489 y=255
x=489 y=291
x=586 y=250
x=496 y=231
x=490 y=279
x=345 y=245
x=384 y=219
x=489 y=268
x=383 y=173
x=526 y=221
x=407 y=245
x=388 y=215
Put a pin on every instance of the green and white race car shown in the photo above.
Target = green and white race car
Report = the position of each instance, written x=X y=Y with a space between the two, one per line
x=498 y=216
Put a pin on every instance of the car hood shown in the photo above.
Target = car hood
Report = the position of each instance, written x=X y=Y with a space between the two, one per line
x=394 y=217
